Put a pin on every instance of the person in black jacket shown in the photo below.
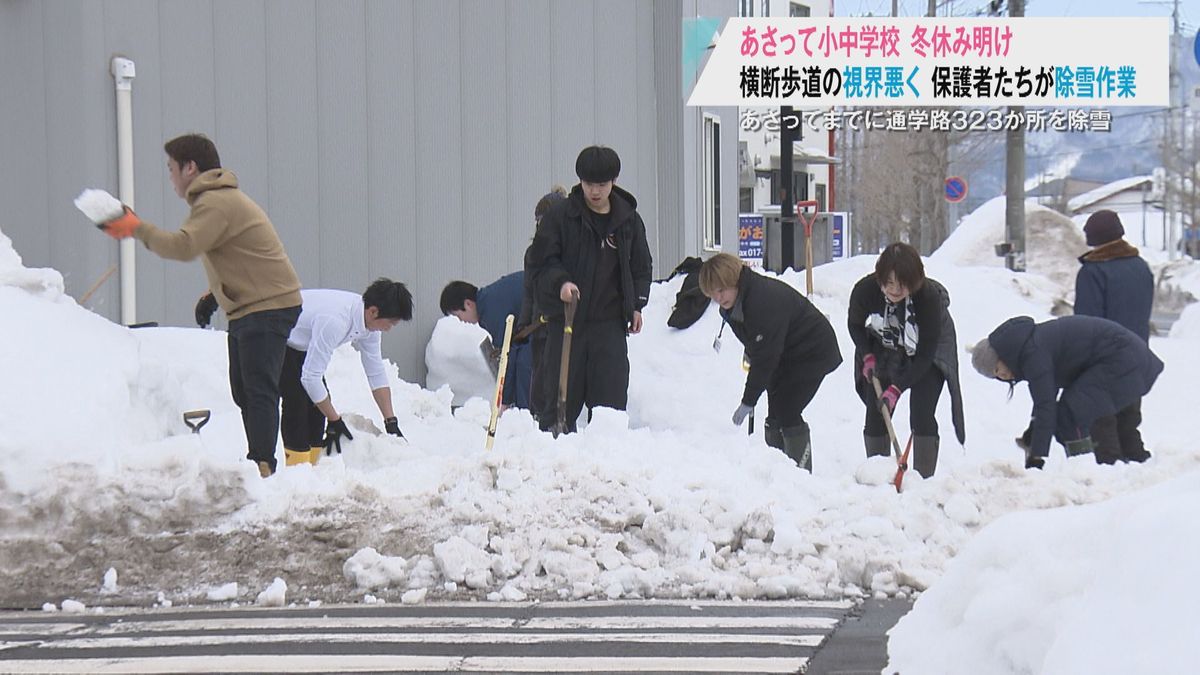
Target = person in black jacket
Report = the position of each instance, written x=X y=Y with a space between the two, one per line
x=900 y=323
x=789 y=343
x=1116 y=284
x=1101 y=368
x=531 y=320
x=592 y=246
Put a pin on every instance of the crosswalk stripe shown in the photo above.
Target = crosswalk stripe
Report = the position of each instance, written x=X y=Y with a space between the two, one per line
x=535 y=623
x=39 y=628
x=388 y=663
x=509 y=638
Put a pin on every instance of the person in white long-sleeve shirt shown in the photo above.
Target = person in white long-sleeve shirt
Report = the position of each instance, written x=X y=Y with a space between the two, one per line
x=329 y=319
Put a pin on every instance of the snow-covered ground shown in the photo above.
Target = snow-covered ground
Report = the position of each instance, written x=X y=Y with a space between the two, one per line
x=98 y=472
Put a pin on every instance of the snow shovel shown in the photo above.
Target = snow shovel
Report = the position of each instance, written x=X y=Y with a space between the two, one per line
x=808 y=249
x=560 y=426
x=901 y=458
x=902 y=464
x=195 y=419
x=498 y=399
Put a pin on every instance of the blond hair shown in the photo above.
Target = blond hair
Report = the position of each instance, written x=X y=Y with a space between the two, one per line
x=718 y=272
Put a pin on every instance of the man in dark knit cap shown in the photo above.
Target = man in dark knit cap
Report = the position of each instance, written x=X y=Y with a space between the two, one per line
x=1115 y=283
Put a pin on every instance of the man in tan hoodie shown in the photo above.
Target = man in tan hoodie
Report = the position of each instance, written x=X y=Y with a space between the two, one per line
x=249 y=275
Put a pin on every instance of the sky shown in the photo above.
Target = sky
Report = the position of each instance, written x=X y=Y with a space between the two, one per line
x=123 y=505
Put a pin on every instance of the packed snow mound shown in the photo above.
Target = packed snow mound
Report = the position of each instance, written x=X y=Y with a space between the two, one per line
x=1103 y=588
x=1053 y=242
x=452 y=358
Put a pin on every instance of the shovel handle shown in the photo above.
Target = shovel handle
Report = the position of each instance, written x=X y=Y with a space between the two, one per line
x=887 y=416
x=195 y=419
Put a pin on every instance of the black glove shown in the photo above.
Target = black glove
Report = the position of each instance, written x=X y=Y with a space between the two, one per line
x=335 y=431
x=392 y=427
x=205 y=308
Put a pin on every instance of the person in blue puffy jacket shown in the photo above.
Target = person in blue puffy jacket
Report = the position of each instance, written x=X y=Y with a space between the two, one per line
x=1101 y=369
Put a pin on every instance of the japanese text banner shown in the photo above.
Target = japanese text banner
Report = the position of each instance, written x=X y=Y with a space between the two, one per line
x=806 y=62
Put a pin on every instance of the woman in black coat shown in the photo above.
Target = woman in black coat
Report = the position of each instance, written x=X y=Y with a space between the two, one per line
x=1101 y=368
x=903 y=334
x=789 y=343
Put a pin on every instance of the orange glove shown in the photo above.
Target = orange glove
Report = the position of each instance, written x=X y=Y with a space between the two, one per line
x=122 y=226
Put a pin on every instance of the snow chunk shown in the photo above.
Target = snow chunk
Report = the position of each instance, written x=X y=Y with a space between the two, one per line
x=367 y=569
x=228 y=591
x=275 y=595
x=962 y=510
x=73 y=607
x=459 y=558
x=414 y=597
x=110 y=581
x=98 y=205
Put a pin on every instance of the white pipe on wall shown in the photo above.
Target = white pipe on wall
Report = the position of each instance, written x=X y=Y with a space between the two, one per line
x=123 y=74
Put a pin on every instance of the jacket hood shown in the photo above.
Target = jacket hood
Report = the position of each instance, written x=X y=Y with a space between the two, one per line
x=213 y=179
x=1009 y=340
x=1113 y=250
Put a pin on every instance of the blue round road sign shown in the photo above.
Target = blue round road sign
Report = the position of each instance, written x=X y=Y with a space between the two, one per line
x=956 y=189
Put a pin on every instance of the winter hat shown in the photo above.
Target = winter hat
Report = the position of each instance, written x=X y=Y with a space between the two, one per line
x=1103 y=227
x=984 y=358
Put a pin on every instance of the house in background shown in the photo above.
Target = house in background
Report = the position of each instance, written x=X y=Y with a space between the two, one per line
x=761 y=182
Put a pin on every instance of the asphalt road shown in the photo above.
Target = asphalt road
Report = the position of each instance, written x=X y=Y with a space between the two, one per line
x=620 y=636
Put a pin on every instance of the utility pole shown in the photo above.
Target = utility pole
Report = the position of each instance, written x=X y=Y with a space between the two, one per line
x=1172 y=193
x=1014 y=158
x=787 y=207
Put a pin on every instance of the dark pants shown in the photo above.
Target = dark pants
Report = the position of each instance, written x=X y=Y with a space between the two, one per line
x=256 y=347
x=788 y=396
x=537 y=393
x=598 y=373
x=922 y=404
x=1116 y=437
x=302 y=424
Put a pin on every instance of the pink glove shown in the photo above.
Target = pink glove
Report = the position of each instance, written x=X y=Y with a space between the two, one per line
x=868 y=368
x=890 y=396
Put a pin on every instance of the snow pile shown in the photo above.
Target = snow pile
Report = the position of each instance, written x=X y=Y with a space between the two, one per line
x=1103 y=588
x=1053 y=242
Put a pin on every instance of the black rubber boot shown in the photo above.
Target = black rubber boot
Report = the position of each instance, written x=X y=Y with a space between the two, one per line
x=1080 y=447
x=797 y=444
x=773 y=436
x=877 y=445
x=925 y=454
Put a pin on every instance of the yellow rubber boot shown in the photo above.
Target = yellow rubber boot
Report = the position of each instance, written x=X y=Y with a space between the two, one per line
x=315 y=454
x=294 y=457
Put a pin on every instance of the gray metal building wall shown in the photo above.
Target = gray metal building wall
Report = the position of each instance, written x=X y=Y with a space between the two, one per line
x=407 y=139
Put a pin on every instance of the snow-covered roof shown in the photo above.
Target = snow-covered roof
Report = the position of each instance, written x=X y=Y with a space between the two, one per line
x=1105 y=191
